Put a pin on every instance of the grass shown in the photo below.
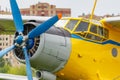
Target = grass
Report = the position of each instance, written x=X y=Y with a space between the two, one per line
x=8 y=69
x=17 y=70
x=7 y=27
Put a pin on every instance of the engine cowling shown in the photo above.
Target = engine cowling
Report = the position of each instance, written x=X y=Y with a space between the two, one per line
x=50 y=51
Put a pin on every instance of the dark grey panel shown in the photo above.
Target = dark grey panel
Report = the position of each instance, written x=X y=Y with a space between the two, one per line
x=58 y=31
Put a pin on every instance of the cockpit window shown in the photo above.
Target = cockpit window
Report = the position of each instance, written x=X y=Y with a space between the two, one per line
x=71 y=24
x=100 y=31
x=91 y=31
x=61 y=23
x=106 y=33
x=87 y=29
x=93 y=28
x=83 y=26
x=93 y=37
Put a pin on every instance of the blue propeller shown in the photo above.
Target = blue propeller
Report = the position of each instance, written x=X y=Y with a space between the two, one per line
x=22 y=41
x=44 y=26
x=19 y=28
x=29 y=72
x=16 y=16
x=5 y=51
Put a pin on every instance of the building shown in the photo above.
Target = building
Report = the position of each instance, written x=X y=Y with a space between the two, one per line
x=96 y=17
x=88 y=16
x=6 y=41
x=4 y=12
x=7 y=12
x=45 y=9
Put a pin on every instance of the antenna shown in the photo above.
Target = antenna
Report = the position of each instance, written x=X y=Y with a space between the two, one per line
x=92 y=13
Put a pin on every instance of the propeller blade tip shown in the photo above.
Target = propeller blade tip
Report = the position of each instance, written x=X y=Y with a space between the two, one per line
x=59 y=15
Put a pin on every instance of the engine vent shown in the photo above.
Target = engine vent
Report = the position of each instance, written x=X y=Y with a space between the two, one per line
x=18 y=50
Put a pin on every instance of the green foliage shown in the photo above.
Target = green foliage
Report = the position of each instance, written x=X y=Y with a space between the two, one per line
x=2 y=62
x=7 y=27
x=21 y=70
x=4 y=69
x=3 y=66
x=17 y=70
x=7 y=68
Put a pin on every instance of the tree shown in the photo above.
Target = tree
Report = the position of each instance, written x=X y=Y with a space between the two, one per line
x=2 y=62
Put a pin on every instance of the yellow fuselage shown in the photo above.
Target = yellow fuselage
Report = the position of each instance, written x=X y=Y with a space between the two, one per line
x=93 y=61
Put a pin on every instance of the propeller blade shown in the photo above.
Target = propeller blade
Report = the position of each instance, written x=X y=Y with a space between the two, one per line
x=28 y=67
x=44 y=26
x=16 y=16
x=6 y=50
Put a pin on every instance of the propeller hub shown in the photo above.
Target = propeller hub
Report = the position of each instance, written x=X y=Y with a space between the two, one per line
x=30 y=43
x=19 y=40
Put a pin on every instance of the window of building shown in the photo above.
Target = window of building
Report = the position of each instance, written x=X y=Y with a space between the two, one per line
x=0 y=44
x=6 y=44
x=6 y=39
x=52 y=6
x=39 y=7
x=71 y=24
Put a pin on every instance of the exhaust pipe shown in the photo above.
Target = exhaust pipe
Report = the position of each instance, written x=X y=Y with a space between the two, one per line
x=44 y=75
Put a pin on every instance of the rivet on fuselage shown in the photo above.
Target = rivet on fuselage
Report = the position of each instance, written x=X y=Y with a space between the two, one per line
x=62 y=74
x=79 y=56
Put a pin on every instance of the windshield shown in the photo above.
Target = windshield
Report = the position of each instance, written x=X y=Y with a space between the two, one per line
x=71 y=24
x=61 y=23
x=83 y=26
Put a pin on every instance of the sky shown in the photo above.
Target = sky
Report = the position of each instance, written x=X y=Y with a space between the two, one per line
x=78 y=7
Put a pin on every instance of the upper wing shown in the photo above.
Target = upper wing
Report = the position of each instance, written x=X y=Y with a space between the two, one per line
x=13 y=77
x=38 y=18
x=113 y=22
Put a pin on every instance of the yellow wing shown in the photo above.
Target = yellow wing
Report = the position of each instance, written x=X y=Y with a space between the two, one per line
x=113 y=22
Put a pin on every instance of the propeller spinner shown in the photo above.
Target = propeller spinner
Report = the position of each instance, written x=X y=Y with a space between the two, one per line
x=21 y=40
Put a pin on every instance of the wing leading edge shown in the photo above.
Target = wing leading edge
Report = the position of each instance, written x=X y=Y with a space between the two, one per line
x=113 y=22
x=38 y=18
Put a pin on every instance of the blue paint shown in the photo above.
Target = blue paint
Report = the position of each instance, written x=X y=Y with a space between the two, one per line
x=30 y=43
x=6 y=50
x=16 y=16
x=111 y=42
x=19 y=40
x=106 y=42
x=28 y=66
x=43 y=27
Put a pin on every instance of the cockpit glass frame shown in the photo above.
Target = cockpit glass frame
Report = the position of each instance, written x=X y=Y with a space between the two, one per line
x=87 y=29
x=82 y=26
x=93 y=28
x=71 y=24
x=92 y=31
